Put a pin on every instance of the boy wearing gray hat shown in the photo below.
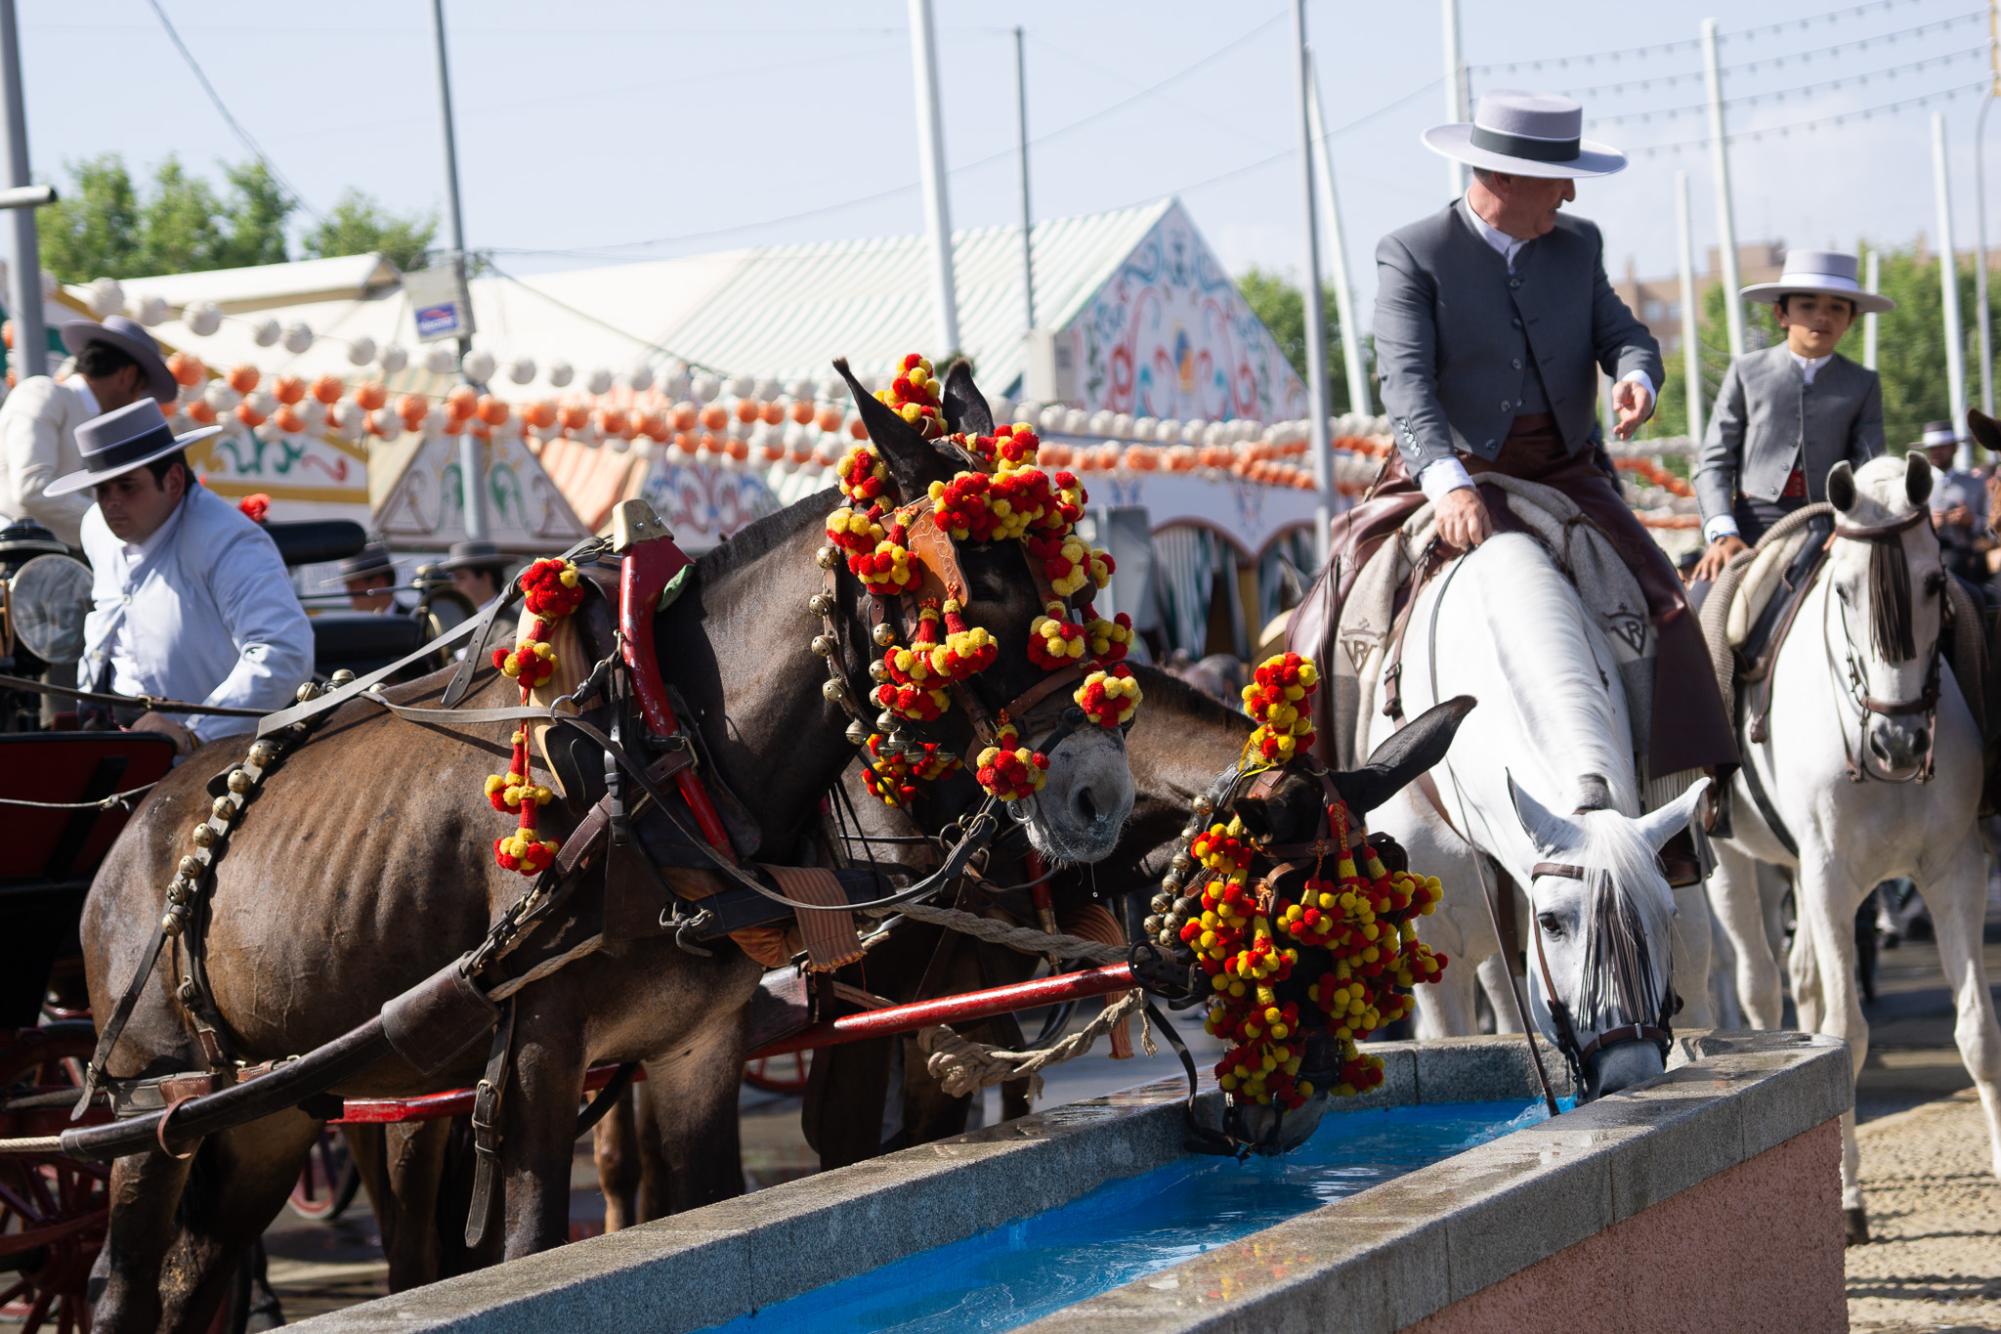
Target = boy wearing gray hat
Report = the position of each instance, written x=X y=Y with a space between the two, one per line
x=1789 y=413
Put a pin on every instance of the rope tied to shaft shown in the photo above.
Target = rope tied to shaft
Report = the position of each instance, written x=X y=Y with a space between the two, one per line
x=962 y=1066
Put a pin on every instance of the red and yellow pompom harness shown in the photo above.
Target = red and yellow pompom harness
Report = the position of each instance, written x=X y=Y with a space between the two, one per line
x=1004 y=498
x=1350 y=933
x=553 y=589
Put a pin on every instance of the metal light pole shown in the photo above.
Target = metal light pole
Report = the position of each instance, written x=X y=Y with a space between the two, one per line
x=931 y=164
x=472 y=461
x=1948 y=281
x=24 y=287
x=1455 y=93
x=1027 y=226
x=1316 y=337
x=1691 y=348
x=1980 y=253
x=1337 y=244
x=1719 y=158
x=1872 y=282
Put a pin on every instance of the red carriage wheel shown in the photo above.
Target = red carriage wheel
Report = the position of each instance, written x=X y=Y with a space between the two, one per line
x=52 y=1210
x=784 y=1073
x=328 y=1182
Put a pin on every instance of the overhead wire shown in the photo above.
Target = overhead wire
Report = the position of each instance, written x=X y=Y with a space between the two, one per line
x=1782 y=94
x=1813 y=123
x=1688 y=43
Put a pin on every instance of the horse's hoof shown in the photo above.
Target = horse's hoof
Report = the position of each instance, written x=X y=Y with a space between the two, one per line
x=1857 y=1219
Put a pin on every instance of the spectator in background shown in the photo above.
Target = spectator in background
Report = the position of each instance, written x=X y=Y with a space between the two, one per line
x=1958 y=505
x=478 y=570
x=369 y=576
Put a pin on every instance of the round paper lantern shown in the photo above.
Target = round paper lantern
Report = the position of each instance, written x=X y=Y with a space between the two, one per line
x=221 y=395
x=202 y=318
x=392 y=358
x=478 y=365
x=267 y=333
x=247 y=413
x=329 y=388
x=263 y=400
x=186 y=366
x=490 y=410
x=746 y=409
x=104 y=296
x=617 y=444
x=704 y=387
x=435 y=418
x=714 y=417
x=461 y=401
x=412 y=408
x=298 y=338
x=152 y=310
x=242 y=378
x=200 y=412
x=857 y=429
x=682 y=417
x=371 y=394
x=599 y=381
x=384 y=423
x=802 y=410
x=573 y=416
x=639 y=379
x=652 y=425
x=521 y=370
x=440 y=359
x=675 y=383
x=773 y=412
x=560 y=374
x=288 y=388
x=540 y=414
x=313 y=413
x=452 y=425
x=361 y=351
x=287 y=419
x=1051 y=418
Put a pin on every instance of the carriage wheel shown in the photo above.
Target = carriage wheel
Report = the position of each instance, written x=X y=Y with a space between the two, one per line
x=328 y=1182
x=53 y=1210
x=784 y=1073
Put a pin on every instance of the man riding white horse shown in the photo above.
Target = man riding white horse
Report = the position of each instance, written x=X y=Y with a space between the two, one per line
x=1493 y=319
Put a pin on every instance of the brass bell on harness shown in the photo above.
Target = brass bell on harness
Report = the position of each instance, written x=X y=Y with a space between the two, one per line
x=240 y=781
x=180 y=890
x=827 y=557
x=339 y=679
x=191 y=867
x=262 y=753
x=884 y=635
x=1152 y=925
x=307 y=693
x=821 y=604
x=823 y=646
x=1163 y=901
x=170 y=925
x=885 y=722
x=857 y=733
x=224 y=809
x=834 y=690
x=204 y=836
x=1182 y=863
x=1202 y=805
x=878 y=671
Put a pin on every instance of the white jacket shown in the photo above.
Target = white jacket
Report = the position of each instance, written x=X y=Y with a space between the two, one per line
x=37 y=445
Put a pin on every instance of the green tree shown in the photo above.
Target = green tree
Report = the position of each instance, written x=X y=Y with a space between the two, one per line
x=1281 y=307
x=357 y=225
x=93 y=230
x=257 y=208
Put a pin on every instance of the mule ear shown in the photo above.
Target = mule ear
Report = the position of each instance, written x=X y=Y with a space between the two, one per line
x=1286 y=813
x=1841 y=486
x=1657 y=827
x=1399 y=761
x=965 y=406
x=912 y=461
x=1549 y=831
x=1986 y=430
x=1917 y=478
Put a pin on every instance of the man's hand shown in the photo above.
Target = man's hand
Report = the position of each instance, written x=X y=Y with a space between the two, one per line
x=1994 y=502
x=1634 y=404
x=1463 y=521
x=1717 y=556
x=184 y=740
x=1957 y=515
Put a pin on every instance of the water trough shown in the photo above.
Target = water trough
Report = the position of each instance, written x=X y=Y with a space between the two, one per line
x=1709 y=1197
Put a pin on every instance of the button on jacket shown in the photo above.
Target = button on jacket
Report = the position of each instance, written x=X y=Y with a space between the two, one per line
x=1769 y=420
x=1461 y=339
x=202 y=611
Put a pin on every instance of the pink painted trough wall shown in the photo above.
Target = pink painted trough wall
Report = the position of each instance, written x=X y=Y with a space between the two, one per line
x=1758 y=1247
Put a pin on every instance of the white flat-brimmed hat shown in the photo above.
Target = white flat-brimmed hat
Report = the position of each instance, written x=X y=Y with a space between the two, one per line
x=1526 y=134
x=131 y=338
x=121 y=440
x=1937 y=435
x=1825 y=272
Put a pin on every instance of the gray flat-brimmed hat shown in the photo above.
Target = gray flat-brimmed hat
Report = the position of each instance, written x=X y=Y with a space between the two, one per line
x=1826 y=273
x=1526 y=134
x=472 y=554
x=131 y=338
x=371 y=560
x=121 y=440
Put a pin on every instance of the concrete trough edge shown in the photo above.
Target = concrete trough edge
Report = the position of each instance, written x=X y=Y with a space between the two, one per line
x=1393 y=1254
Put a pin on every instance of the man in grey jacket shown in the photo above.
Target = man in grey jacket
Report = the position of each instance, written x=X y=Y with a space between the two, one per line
x=1787 y=414
x=1493 y=321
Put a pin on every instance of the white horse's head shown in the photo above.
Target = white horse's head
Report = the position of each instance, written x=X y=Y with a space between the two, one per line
x=1602 y=934
x=1887 y=609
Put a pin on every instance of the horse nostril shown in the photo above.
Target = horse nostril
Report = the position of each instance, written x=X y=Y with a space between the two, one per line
x=1086 y=805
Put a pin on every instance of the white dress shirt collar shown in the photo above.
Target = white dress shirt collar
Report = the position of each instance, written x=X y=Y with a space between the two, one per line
x=1809 y=366
x=137 y=554
x=1505 y=245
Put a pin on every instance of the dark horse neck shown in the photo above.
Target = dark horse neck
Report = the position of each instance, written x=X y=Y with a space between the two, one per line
x=736 y=646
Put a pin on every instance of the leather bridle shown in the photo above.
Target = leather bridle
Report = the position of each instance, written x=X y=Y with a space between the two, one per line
x=1854 y=684
x=1576 y=1052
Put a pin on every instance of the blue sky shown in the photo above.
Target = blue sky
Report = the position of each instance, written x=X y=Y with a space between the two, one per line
x=594 y=131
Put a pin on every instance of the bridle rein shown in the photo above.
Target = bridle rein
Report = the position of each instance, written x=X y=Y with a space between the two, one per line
x=1853 y=683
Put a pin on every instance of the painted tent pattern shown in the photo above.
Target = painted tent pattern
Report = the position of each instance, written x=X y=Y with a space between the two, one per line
x=1168 y=335
x=524 y=509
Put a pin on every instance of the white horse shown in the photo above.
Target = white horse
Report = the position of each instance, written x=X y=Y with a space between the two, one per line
x=1872 y=764
x=1504 y=625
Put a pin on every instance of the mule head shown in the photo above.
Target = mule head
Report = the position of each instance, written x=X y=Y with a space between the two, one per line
x=1887 y=609
x=1088 y=788
x=1602 y=934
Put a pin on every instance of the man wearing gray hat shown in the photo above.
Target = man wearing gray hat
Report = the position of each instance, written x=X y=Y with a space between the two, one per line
x=1788 y=414
x=117 y=362
x=189 y=599
x=1493 y=320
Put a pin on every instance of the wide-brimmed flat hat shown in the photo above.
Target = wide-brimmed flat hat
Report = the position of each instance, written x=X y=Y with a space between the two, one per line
x=1937 y=435
x=472 y=554
x=131 y=338
x=1526 y=134
x=121 y=440
x=1825 y=273
x=371 y=560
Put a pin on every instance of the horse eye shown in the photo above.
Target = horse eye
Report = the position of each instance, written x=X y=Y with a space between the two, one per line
x=1549 y=924
x=1841 y=592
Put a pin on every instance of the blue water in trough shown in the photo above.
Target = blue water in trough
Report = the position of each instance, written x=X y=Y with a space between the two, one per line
x=1127 y=1229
